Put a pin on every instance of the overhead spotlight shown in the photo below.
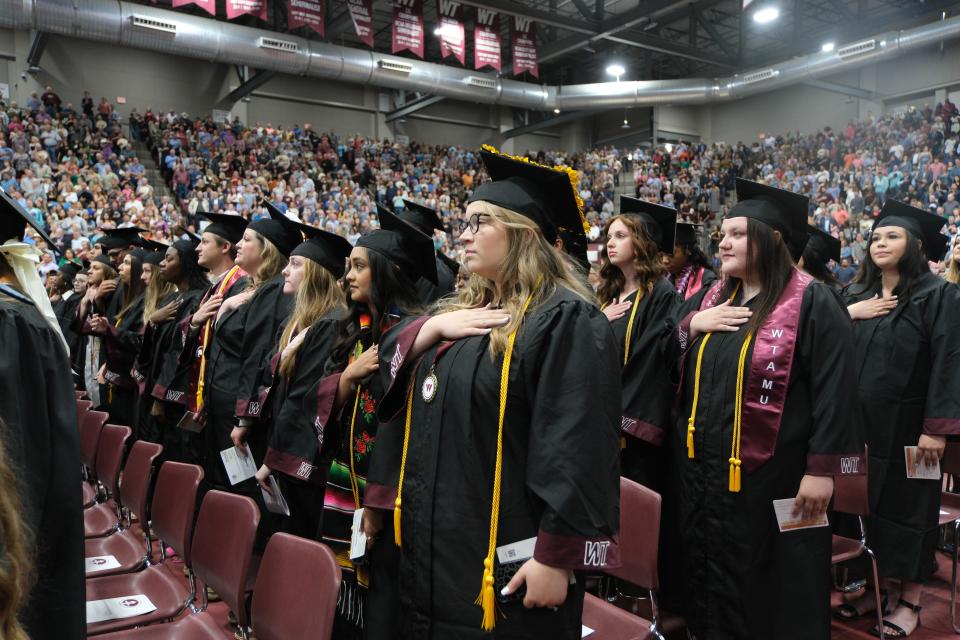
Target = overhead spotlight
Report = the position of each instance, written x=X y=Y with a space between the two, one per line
x=883 y=43
x=557 y=111
x=766 y=15
x=827 y=47
x=616 y=69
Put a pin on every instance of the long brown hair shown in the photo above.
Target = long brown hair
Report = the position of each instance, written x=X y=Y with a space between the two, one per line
x=132 y=290
x=272 y=262
x=532 y=267
x=318 y=295
x=157 y=290
x=646 y=261
x=953 y=269
x=16 y=565
x=768 y=259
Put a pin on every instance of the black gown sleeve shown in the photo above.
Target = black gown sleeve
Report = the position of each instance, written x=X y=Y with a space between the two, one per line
x=266 y=311
x=573 y=460
x=941 y=414
x=827 y=353
x=647 y=393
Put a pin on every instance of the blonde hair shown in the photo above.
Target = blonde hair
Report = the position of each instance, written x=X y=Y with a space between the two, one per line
x=16 y=565
x=157 y=290
x=953 y=271
x=531 y=268
x=272 y=262
x=318 y=294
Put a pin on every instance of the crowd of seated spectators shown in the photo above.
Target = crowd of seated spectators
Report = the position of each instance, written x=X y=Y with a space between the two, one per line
x=78 y=172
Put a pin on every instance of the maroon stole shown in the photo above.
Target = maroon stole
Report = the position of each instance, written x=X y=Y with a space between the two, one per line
x=765 y=387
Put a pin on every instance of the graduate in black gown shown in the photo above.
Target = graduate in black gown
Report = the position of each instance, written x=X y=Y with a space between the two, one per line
x=688 y=269
x=40 y=433
x=101 y=286
x=382 y=269
x=121 y=335
x=427 y=221
x=641 y=305
x=299 y=451
x=762 y=354
x=66 y=306
x=156 y=295
x=908 y=356
x=245 y=326
x=815 y=258
x=510 y=402
x=182 y=378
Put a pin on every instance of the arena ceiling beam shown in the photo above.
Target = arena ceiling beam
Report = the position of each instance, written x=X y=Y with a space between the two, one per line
x=253 y=83
x=712 y=31
x=584 y=10
x=413 y=106
x=37 y=47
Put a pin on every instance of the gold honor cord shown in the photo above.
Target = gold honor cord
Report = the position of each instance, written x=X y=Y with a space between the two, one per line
x=633 y=315
x=734 y=482
x=206 y=338
x=397 y=539
x=354 y=485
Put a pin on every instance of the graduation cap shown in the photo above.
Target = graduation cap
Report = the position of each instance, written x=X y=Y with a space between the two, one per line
x=70 y=269
x=659 y=221
x=122 y=237
x=285 y=237
x=104 y=259
x=14 y=220
x=547 y=195
x=687 y=233
x=154 y=246
x=924 y=226
x=153 y=257
x=780 y=209
x=402 y=244
x=423 y=218
x=327 y=249
x=227 y=226
x=826 y=246
x=450 y=262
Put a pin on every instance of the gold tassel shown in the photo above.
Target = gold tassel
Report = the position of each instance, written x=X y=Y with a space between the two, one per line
x=396 y=522
x=486 y=597
x=397 y=539
x=734 y=483
x=690 y=430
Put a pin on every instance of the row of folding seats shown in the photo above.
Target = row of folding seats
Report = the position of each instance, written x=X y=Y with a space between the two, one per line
x=297 y=582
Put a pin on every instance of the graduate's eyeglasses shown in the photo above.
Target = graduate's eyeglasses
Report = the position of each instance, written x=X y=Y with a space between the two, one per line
x=473 y=223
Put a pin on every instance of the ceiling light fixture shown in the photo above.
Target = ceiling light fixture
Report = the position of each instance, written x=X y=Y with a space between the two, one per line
x=827 y=47
x=616 y=69
x=766 y=15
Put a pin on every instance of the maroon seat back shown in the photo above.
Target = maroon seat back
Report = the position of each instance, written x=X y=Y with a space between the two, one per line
x=83 y=406
x=639 y=535
x=79 y=394
x=850 y=495
x=951 y=459
x=222 y=545
x=113 y=441
x=91 y=424
x=296 y=591
x=174 y=504
x=136 y=477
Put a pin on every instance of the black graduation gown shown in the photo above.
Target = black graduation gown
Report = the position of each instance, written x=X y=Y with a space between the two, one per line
x=66 y=311
x=122 y=345
x=224 y=362
x=739 y=577
x=560 y=483
x=907 y=367
x=299 y=449
x=446 y=283
x=269 y=310
x=42 y=441
x=145 y=370
x=647 y=389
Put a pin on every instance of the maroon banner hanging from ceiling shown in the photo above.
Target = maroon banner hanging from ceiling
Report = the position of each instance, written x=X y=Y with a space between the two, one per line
x=486 y=40
x=237 y=8
x=408 y=27
x=361 y=12
x=524 y=47
x=306 y=13
x=452 y=38
x=210 y=6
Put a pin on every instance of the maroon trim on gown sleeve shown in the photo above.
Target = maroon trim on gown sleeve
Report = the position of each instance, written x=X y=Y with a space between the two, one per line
x=577 y=552
x=941 y=426
x=642 y=430
x=836 y=464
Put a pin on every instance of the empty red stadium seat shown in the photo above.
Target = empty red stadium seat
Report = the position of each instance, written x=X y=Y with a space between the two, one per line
x=104 y=518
